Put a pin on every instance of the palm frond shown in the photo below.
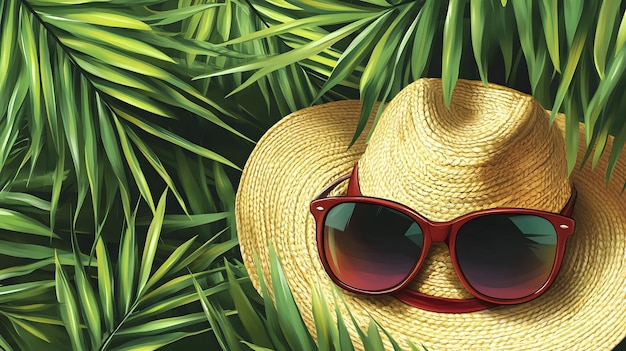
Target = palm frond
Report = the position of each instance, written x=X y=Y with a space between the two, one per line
x=276 y=324
x=346 y=38
x=94 y=77
x=154 y=290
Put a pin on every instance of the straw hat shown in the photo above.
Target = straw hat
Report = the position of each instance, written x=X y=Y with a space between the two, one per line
x=493 y=147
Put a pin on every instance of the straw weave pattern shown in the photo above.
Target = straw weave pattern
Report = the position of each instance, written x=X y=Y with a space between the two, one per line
x=443 y=164
x=492 y=148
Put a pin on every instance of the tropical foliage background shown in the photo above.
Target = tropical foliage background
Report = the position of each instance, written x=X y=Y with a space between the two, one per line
x=125 y=124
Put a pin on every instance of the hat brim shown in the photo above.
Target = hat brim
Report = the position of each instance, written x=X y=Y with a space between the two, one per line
x=308 y=149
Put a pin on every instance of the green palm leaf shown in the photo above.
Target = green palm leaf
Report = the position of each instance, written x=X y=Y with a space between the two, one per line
x=540 y=46
x=61 y=54
x=69 y=308
x=604 y=32
x=452 y=42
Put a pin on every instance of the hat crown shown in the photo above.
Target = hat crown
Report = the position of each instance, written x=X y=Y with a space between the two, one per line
x=306 y=151
x=493 y=147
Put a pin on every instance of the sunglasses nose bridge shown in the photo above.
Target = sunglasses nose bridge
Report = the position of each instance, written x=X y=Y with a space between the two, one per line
x=439 y=232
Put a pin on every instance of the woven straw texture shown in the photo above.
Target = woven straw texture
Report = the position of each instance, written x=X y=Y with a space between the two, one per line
x=493 y=147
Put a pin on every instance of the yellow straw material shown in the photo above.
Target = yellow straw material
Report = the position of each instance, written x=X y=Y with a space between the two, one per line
x=494 y=147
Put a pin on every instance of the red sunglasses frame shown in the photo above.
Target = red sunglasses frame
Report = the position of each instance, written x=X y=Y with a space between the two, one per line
x=445 y=232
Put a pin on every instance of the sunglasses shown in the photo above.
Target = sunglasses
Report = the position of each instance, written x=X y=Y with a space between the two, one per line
x=502 y=256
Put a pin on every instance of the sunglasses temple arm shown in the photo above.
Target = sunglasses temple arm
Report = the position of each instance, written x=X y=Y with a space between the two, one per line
x=569 y=206
x=441 y=304
x=353 y=187
x=331 y=187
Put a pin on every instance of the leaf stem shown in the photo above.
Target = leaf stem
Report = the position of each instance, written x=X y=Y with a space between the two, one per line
x=109 y=338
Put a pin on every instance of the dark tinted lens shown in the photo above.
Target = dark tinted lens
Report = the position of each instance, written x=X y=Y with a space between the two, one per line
x=506 y=256
x=371 y=247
